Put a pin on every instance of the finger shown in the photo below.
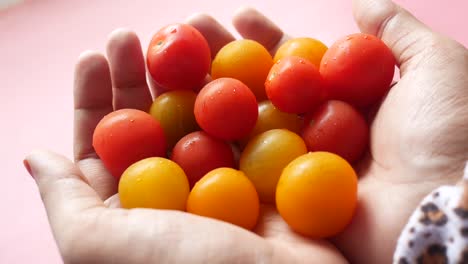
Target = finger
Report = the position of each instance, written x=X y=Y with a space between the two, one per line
x=113 y=201
x=93 y=100
x=216 y=35
x=402 y=32
x=62 y=186
x=251 y=24
x=127 y=66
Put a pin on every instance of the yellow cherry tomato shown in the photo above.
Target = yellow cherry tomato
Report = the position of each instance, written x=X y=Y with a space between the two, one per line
x=156 y=183
x=174 y=111
x=317 y=194
x=266 y=155
x=245 y=60
x=306 y=48
x=270 y=117
x=225 y=194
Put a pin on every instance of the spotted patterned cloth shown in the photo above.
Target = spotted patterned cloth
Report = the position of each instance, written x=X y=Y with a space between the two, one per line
x=437 y=232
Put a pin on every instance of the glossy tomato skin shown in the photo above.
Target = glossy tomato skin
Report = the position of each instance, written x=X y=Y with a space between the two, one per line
x=225 y=194
x=358 y=69
x=126 y=136
x=317 y=194
x=306 y=48
x=245 y=60
x=174 y=111
x=294 y=85
x=265 y=157
x=178 y=57
x=156 y=183
x=226 y=108
x=337 y=127
x=270 y=117
x=198 y=153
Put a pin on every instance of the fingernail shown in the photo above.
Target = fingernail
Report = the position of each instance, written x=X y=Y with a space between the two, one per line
x=28 y=167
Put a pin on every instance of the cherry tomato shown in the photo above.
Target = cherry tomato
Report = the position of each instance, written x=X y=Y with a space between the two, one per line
x=294 y=85
x=317 y=194
x=245 y=60
x=174 y=111
x=358 y=69
x=338 y=128
x=265 y=157
x=198 y=153
x=225 y=194
x=126 y=136
x=178 y=57
x=306 y=48
x=269 y=117
x=226 y=108
x=156 y=183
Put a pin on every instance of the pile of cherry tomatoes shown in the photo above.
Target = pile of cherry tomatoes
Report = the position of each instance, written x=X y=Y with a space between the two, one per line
x=227 y=134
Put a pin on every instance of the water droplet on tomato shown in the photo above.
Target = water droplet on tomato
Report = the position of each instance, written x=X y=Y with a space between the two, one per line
x=325 y=63
x=366 y=37
x=349 y=38
x=174 y=30
x=334 y=58
x=132 y=120
x=301 y=61
x=272 y=76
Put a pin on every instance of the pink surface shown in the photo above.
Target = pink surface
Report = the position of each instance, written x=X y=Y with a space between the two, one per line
x=40 y=41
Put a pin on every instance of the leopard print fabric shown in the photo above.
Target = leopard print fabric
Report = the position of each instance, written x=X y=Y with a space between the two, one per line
x=437 y=232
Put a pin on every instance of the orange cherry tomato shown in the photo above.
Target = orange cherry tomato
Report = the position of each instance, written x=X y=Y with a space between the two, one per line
x=317 y=194
x=270 y=117
x=245 y=60
x=225 y=194
x=306 y=48
x=126 y=136
x=265 y=157
x=174 y=111
x=156 y=183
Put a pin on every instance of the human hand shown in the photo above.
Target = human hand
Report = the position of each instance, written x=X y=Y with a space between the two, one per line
x=419 y=136
x=80 y=198
x=418 y=143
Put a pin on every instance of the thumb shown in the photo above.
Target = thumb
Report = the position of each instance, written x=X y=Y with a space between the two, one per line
x=61 y=184
x=405 y=35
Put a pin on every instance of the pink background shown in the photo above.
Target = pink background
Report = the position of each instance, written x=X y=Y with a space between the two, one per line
x=40 y=41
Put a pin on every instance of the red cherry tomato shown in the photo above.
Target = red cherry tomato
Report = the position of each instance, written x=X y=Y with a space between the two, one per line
x=198 y=153
x=294 y=85
x=338 y=128
x=226 y=108
x=358 y=69
x=126 y=136
x=178 y=57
